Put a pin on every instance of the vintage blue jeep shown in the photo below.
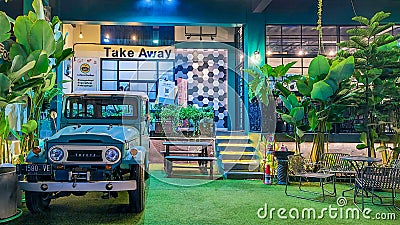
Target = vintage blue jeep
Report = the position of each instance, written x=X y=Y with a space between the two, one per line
x=103 y=146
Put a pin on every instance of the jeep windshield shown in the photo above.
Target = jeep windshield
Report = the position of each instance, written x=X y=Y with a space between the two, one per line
x=89 y=107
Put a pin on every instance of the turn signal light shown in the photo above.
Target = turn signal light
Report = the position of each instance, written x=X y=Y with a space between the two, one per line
x=134 y=152
x=36 y=150
x=60 y=167
x=108 y=167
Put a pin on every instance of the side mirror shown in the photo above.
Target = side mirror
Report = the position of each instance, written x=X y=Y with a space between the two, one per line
x=53 y=115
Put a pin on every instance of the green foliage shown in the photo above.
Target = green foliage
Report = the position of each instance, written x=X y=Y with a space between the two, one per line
x=28 y=76
x=5 y=27
x=377 y=68
x=260 y=82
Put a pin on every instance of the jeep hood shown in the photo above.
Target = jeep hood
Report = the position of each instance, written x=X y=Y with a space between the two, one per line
x=95 y=133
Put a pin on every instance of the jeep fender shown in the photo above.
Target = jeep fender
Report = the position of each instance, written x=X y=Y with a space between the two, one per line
x=140 y=158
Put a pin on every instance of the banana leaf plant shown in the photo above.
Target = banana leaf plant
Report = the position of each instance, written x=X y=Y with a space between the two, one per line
x=294 y=115
x=260 y=85
x=377 y=71
x=29 y=74
x=329 y=90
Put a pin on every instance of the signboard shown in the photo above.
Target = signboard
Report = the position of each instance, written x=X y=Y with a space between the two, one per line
x=166 y=91
x=182 y=92
x=125 y=52
x=85 y=74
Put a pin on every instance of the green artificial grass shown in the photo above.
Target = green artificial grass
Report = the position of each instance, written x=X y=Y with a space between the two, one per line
x=196 y=201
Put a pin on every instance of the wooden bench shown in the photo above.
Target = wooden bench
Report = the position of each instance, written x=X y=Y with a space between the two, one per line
x=181 y=152
x=170 y=159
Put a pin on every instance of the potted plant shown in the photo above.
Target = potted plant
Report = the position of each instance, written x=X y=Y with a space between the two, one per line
x=170 y=119
x=376 y=54
x=206 y=124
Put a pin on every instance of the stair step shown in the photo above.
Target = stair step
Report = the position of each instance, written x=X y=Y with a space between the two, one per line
x=246 y=166
x=233 y=141
x=243 y=175
x=242 y=161
x=236 y=153
x=235 y=149
x=238 y=156
x=231 y=133
x=234 y=145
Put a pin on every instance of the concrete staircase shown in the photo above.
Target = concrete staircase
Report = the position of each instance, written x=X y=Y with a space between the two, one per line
x=237 y=157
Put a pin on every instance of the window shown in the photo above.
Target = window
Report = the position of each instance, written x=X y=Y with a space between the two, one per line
x=135 y=75
x=96 y=107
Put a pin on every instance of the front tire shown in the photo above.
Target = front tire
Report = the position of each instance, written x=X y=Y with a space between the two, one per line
x=37 y=202
x=137 y=197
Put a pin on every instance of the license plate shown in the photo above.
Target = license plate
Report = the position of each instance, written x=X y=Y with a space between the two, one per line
x=34 y=169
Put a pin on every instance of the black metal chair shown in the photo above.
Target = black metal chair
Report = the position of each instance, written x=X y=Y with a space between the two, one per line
x=332 y=163
x=297 y=169
x=395 y=163
x=374 y=180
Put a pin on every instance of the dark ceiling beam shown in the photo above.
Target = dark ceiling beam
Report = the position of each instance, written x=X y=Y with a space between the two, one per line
x=260 y=5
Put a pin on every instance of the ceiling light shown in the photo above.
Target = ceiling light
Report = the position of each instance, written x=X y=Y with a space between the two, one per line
x=80 y=32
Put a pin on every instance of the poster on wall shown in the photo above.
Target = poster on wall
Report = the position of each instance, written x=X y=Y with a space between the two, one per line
x=85 y=74
x=182 y=92
x=166 y=92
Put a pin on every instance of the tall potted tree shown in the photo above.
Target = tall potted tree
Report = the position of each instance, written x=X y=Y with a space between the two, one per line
x=377 y=69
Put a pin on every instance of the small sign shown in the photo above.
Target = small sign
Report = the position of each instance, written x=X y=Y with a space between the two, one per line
x=85 y=74
x=166 y=91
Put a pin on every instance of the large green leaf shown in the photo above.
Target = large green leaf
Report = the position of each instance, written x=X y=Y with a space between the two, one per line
x=39 y=9
x=321 y=91
x=17 y=63
x=333 y=84
x=42 y=37
x=17 y=49
x=284 y=91
x=287 y=118
x=297 y=113
x=15 y=76
x=5 y=85
x=343 y=70
x=29 y=127
x=299 y=132
x=50 y=81
x=312 y=119
x=5 y=27
x=42 y=64
x=32 y=16
x=286 y=102
x=303 y=88
x=293 y=100
x=319 y=68
x=66 y=54
x=22 y=30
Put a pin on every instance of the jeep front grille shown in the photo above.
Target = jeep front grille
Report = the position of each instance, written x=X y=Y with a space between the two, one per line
x=85 y=155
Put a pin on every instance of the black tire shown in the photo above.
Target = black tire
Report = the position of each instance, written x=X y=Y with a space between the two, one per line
x=137 y=197
x=37 y=202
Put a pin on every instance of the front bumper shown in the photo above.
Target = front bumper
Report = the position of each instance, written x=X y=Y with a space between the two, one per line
x=51 y=186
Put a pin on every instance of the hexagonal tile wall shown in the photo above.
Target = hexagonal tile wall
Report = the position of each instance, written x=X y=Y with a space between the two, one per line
x=206 y=73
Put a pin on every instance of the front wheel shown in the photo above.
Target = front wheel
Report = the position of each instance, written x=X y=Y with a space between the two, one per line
x=137 y=197
x=37 y=202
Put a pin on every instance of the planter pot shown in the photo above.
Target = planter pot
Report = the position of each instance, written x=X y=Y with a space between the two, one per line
x=207 y=128
x=9 y=189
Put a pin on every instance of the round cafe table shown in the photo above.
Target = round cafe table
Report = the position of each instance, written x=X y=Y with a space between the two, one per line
x=358 y=163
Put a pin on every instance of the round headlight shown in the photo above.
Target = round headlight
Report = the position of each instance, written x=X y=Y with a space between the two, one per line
x=56 y=154
x=112 y=155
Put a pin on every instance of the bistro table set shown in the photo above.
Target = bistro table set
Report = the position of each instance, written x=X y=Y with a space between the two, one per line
x=371 y=180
